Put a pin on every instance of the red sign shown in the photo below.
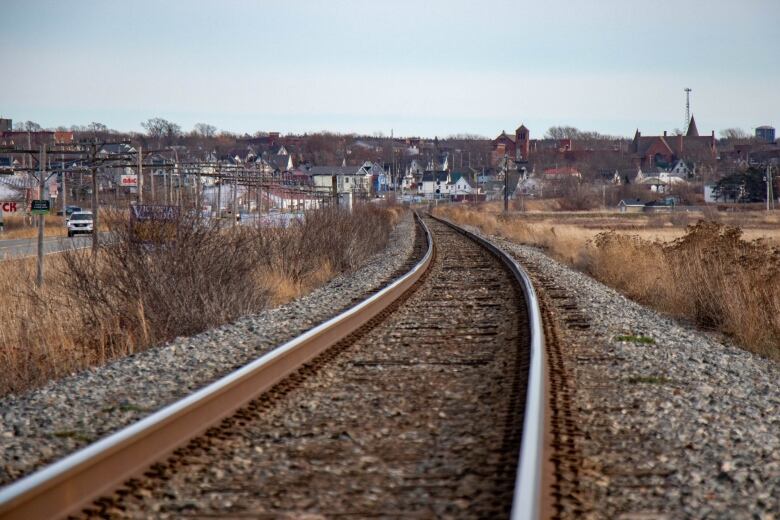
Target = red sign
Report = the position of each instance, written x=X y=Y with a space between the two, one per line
x=129 y=180
x=9 y=207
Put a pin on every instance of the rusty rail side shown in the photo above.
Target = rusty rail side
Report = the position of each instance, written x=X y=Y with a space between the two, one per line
x=71 y=483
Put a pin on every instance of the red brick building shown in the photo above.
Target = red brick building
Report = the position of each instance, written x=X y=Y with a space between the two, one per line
x=664 y=150
x=516 y=146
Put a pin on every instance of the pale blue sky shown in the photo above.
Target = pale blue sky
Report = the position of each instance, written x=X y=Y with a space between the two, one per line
x=418 y=67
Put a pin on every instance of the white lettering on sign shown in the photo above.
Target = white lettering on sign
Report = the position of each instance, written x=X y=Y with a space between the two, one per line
x=9 y=207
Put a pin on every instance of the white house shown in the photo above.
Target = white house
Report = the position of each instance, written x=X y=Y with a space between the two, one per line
x=349 y=179
x=435 y=185
x=460 y=185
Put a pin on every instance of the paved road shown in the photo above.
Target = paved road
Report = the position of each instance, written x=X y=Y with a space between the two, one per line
x=22 y=247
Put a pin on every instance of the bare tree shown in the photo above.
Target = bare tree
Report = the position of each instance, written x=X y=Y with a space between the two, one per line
x=161 y=129
x=734 y=134
x=205 y=130
x=562 y=132
x=29 y=126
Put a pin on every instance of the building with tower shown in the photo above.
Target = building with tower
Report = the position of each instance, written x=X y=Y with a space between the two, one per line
x=516 y=146
x=663 y=151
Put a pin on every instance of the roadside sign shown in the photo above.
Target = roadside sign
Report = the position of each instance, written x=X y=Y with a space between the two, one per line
x=154 y=212
x=153 y=224
x=129 y=180
x=10 y=207
x=40 y=207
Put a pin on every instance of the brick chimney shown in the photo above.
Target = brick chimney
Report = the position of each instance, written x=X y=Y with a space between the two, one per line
x=664 y=133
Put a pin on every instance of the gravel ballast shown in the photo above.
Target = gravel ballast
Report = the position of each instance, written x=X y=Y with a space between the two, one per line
x=675 y=422
x=48 y=423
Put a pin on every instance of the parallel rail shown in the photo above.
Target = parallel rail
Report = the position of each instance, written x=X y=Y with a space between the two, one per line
x=71 y=483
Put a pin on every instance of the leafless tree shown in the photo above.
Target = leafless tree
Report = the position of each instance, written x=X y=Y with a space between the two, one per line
x=206 y=130
x=162 y=130
x=734 y=134
x=28 y=126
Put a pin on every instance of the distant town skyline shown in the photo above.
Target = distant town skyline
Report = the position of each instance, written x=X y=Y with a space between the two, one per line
x=421 y=69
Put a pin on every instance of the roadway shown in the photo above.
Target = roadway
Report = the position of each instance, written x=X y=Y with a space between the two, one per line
x=25 y=247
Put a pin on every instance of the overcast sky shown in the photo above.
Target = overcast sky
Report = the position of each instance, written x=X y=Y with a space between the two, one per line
x=417 y=67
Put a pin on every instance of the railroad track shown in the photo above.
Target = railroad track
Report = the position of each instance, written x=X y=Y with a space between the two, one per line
x=414 y=403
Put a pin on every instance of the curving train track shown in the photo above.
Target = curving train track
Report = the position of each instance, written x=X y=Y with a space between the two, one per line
x=417 y=402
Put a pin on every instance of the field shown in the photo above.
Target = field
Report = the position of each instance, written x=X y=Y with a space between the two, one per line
x=719 y=270
x=132 y=295
x=20 y=227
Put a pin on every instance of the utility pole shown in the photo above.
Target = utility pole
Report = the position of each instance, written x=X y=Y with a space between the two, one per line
x=198 y=195
x=64 y=187
x=42 y=217
x=770 y=203
x=506 y=183
x=95 y=201
x=235 y=195
x=151 y=185
x=140 y=183
x=219 y=192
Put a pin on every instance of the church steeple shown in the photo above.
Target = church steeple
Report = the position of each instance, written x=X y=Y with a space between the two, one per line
x=692 y=130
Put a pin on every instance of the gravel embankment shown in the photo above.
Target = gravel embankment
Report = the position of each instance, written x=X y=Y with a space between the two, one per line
x=46 y=424
x=680 y=426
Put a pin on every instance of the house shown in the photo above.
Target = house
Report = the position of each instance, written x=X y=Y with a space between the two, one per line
x=562 y=173
x=660 y=181
x=631 y=205
x=434 y=185
x=610 y=177
x=528 y=186
x=460 y=185
x=379 y=178
x=349 y=179
x=681 y=169
x=274 y=164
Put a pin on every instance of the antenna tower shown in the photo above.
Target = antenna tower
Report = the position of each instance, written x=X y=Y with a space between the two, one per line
x=687 y=109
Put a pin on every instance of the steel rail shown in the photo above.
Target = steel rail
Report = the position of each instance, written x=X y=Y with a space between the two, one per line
x=71 y=483
x=527 y=499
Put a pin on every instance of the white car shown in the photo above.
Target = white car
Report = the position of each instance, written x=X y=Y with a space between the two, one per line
x=80 y=222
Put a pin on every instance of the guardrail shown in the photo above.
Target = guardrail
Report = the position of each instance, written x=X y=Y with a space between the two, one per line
x=71 y=483
x=527 y=500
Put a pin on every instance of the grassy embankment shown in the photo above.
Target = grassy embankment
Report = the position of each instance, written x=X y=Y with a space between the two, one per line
x=135 y=295
x=722 y=274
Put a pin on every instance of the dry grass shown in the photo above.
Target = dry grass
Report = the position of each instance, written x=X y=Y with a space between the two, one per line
x=137 y=294
x=707 y=272
x=21 y=227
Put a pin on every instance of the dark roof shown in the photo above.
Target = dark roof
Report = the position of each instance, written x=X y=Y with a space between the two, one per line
x=504 y=134
x=632 y=202
x=335 y=170
x=278 y=161
x=692 y=130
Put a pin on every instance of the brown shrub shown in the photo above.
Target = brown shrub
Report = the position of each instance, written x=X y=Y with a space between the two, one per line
x=137 y=293
x=710 y=275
